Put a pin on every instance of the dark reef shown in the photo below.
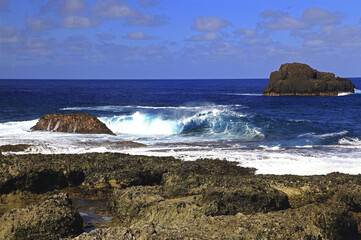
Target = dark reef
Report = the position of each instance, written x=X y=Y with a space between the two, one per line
x=71 y=123
x=300 y=79
x=166 y=198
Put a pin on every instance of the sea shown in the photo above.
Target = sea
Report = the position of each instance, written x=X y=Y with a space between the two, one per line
x=226 y=119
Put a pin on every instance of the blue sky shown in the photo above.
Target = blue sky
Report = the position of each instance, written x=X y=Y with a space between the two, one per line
x=170 y=39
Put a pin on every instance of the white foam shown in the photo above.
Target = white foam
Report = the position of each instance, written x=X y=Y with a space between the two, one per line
x=114 y=108
x=303 y=161
x=326 y=135
x=141 y=124
x=344 y=94
x=350 y=142
x=245 y=94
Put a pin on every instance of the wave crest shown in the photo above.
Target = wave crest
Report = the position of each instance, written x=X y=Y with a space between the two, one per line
x=223 y=122
x=213 y=123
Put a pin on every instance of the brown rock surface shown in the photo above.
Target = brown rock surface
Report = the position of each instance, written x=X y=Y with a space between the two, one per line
x=166 y=198
x=302 y=80
x=71 y=123
x=51 y=219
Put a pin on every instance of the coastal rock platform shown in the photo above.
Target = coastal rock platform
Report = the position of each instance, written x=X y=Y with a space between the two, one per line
x=302 y=80
x=166 y=198
x=71 y=123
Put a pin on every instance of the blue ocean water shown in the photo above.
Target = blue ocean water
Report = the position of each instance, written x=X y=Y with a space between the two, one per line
x=191 y=119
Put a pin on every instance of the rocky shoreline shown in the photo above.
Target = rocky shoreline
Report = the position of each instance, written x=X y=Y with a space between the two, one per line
x=166 y=198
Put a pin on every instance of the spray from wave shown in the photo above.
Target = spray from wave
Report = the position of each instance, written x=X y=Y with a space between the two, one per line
x=213 y=123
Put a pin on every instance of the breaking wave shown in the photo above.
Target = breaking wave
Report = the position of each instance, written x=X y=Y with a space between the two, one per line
x=205 y=123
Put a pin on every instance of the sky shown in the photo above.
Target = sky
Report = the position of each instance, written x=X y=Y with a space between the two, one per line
x=176 y=39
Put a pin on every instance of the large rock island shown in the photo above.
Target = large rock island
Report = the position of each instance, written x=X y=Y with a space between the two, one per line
x=71 y=123
x=300 y=79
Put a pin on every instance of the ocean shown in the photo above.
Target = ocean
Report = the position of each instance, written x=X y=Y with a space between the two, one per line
x=191 y=119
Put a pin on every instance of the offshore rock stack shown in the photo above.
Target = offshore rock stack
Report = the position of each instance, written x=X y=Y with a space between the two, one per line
x=71 y=123
x=302 y=80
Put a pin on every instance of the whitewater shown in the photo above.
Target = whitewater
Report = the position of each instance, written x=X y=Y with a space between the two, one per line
x=226 y=120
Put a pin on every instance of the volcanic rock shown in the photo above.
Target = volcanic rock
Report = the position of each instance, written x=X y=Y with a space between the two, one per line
x=326 y=221
x=166 y=198
x=300 y=79
x=71 y=123
x=51 y=219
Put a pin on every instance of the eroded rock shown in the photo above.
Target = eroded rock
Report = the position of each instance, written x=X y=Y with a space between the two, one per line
x=51 y=219
x=300 y=79
x=71 y=123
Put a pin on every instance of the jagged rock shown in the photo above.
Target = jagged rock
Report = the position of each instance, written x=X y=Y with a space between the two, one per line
x=114 y=233
x=51 y=219
x=166 y=198
x=71 y=123
x=312 y=222
x=245 y=199
x=300 y=79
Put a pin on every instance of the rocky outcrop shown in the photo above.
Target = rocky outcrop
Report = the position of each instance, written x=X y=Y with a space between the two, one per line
x=51 y=219
x=302 y=80
x=326 y=221
x=166 y=198
x=71 y=123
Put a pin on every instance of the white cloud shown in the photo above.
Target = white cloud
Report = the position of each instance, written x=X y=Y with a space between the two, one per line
x=277 y=20
x=140 y=19
x=78 y=22
x=40 y=24
x=246 y=32
x=136 y=36
x=8 y=35
x=330 y=36
x=71 y=7
x=111 y=10
x=208 y=37
x=321 y=16
x=253 y=38
x=36 y=47
x=77 y=44
x=209 y=24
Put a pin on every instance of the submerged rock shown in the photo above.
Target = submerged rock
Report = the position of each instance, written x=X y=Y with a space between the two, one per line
x=71 y=123
x=51 y=219
x=301 y=79
x=14 y=148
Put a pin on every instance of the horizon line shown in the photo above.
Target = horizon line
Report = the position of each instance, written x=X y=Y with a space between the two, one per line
x=135 y=79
